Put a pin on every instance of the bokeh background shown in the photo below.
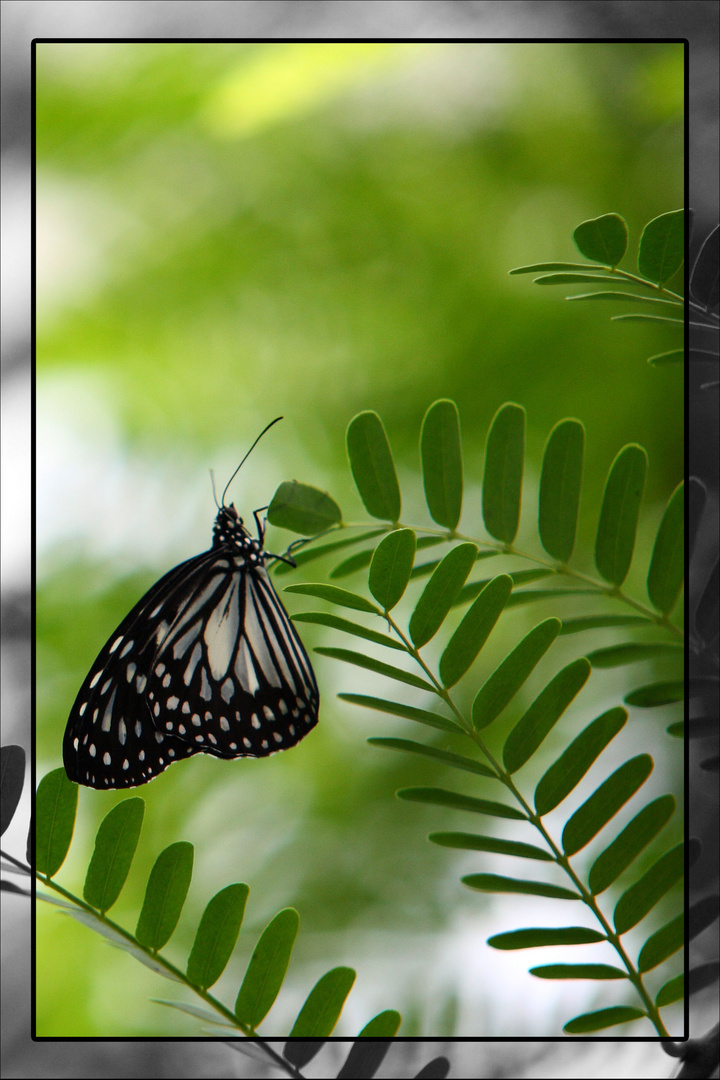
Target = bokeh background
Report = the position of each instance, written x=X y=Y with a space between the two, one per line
x=227 y=232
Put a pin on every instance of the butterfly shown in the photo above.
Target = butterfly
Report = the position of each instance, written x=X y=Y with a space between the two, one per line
x=207 y=662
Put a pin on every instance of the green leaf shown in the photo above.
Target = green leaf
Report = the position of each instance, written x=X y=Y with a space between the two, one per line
x=502 y=481
x=702 y=914
x=309 y=554
x=267 y=968
x=442 y=797
x=323 y=1005
x=510 y=675
x=383 y=1026
x=371 y=664
x=216 y=935
x=165 y=895
x=536 y=268
x=662 y=693
x=662 y=247
x=364 y=1059
x=474 y=630
x=640 y=898
x=391 y=565
x=352 y=564
x=303 y=509
x=441 y=455
x=55 y=810
x=674 y=990
x=425 y=569
x=115 y=846
x=647 y=318
x=704 y=276
x=408 y=712
x=620 y=294
x=543 y=714
x=569 y=769
x=572 y=279
x=604 y=803
x=497 y=883
x=602 y=1018
x=517 y=577
x=438 y=595
x=372 y=466
x=334 y=595
x=324 y=618
x=619 y=514
x=633 y=652
x=560 y=484
x=472 y=842
x=542 y=937
x=603 y=239
x=597 y=622
x=667 y=565
x=457 y=761
x=12 y=778
x=663 y=943
x=627 y=846
x=672 y=356
x=578 y=971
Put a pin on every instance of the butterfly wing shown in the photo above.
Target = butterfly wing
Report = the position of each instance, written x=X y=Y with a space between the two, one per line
x=110 y=739
x=231 y=676
x=206 y=662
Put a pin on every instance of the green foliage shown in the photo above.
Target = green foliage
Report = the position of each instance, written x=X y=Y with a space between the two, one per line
x=372 y=466
x=216 y=935
x=441 y=457
x=303 y=509
x=324 y=1003
x=267 y=969
x=55 y=807
x=390 y=580
x=662 y=247
x=661 y=253
x=112 y=858
x=392 y=562
x=560 y=484
x=167 y=889
x=619 y=514
x=502 y=482
x=215 y=939
x=602 y=239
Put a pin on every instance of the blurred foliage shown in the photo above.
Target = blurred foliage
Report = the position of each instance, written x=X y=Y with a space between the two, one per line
x=227 y=232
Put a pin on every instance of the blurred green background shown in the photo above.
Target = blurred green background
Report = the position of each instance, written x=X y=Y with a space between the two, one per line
x=230 y=232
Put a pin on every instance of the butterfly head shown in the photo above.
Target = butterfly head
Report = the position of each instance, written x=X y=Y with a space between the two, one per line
x=230 y=533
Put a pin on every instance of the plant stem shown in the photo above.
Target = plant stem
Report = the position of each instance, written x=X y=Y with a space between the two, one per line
x=249 y=1033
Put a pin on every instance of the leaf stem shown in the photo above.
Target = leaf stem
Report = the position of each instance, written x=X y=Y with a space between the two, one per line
x=277 y=1059
x=559 y=857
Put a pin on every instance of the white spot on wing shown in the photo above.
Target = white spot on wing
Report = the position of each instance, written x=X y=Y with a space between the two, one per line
x=192 y=664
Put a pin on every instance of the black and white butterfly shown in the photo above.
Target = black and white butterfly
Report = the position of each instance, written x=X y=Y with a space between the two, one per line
x=206 y=662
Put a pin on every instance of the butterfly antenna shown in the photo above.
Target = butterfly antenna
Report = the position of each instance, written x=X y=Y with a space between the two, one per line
x=212 y=481
x=248 y=455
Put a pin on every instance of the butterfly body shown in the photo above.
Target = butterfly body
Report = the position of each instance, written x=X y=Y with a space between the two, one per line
x=206 y=662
